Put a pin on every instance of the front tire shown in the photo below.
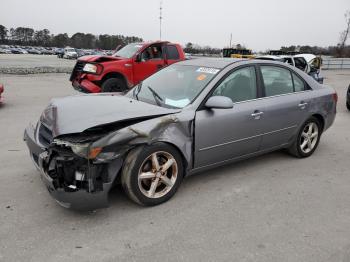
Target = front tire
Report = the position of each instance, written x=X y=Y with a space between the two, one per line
x=152 y=174
x=114 y=85
x=307 y=140
x=348 y=105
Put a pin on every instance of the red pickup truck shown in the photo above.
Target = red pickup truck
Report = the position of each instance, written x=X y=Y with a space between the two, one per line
x=125 y=69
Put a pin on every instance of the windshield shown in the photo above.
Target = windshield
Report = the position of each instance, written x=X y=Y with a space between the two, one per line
x=175 y=86
x=70 y=50
x=128 y=51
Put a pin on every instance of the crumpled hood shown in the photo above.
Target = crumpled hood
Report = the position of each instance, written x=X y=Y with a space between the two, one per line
x=98 y=58
x=74 y=114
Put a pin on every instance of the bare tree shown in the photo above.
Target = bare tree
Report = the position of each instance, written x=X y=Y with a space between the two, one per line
x=345 y=34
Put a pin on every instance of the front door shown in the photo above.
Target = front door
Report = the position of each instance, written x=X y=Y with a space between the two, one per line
x=151 y=60
x=224 y=134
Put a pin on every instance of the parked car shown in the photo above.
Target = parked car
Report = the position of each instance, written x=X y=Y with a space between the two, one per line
x=70 y=53
x=18 y=50
x=80 y=52
x=5 y=51
x=125 y=69
x=33 y=51
x=59 y=52
x=1 y=92
x=348 y=98
x=162 y=130
x=308 y=63
x=45 y=50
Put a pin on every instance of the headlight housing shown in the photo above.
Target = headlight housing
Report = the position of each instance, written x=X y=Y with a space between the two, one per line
x=85 y=151
x=92 y=68
x=82 y=150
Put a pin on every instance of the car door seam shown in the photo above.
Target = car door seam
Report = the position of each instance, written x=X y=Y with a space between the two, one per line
x=246 y=138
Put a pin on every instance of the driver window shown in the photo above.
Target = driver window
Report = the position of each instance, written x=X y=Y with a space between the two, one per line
x=152 y=53
x=240 y=85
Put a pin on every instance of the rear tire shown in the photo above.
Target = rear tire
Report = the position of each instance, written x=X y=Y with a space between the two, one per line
x=348 y=105
x=114 y=85
x=152 y=174
x=307 y=139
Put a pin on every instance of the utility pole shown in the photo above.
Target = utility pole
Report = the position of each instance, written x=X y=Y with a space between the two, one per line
x=231 y=41
x=160 y=20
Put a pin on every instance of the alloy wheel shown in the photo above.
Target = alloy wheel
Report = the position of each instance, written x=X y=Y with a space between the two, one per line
x=309 y=137
x=157 y=174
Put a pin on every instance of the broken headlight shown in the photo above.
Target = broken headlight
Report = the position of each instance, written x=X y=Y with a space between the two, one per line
x=82 y=150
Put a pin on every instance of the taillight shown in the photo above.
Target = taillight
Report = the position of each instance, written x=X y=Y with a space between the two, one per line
x=335 y=97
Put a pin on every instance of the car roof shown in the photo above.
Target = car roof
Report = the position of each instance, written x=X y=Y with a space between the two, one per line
x=273 y=57
x=211 y=62
x=308 y=57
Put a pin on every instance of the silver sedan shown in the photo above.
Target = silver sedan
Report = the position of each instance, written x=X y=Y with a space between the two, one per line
x=188 y=117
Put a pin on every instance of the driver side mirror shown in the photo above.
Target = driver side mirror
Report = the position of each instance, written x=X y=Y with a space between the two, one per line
x=220 y=102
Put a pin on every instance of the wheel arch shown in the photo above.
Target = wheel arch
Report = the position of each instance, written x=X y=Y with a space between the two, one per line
x=321 y=119
x=114 y=75
x=185 y=161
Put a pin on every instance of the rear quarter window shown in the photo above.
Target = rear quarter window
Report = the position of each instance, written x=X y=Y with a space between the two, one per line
x=299 y=84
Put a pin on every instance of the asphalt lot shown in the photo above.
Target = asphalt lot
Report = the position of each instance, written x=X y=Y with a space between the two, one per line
x=271 y=208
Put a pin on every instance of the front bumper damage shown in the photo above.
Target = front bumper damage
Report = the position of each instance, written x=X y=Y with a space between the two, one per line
x=74 y=182
x=86 y=86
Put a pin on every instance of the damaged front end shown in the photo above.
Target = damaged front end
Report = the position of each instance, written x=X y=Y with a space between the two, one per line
x=71 y=170
x=80 y=157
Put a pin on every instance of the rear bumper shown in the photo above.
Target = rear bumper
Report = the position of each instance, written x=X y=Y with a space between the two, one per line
x=77 y=199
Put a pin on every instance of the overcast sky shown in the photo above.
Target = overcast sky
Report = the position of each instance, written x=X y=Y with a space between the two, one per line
x=258 y=24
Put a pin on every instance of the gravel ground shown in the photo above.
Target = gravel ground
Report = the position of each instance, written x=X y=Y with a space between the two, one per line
x=34 y=64
x=271 y=208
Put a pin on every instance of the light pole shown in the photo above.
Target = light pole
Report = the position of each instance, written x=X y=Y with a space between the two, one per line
x=160 y=20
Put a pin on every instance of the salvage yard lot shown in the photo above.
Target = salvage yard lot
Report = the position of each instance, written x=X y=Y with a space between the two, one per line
x=30 y=61
x=271 y=208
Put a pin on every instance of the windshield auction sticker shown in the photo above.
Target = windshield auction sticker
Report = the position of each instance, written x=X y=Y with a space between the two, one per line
x=201 y=77
x=208 y=70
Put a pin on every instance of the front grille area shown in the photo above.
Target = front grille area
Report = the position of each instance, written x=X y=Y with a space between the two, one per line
x=78 y=68
x=45 y=135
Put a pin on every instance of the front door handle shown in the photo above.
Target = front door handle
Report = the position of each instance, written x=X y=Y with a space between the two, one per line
x=257 y=114
x=302 y=105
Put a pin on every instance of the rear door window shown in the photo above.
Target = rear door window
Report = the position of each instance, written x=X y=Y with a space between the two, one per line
x=277 y=80
x=172 y=53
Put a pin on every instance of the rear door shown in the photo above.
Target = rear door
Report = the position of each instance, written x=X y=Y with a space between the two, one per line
x=172 y=54
x=224 y=134
x=286 y=104
x=151 y=60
